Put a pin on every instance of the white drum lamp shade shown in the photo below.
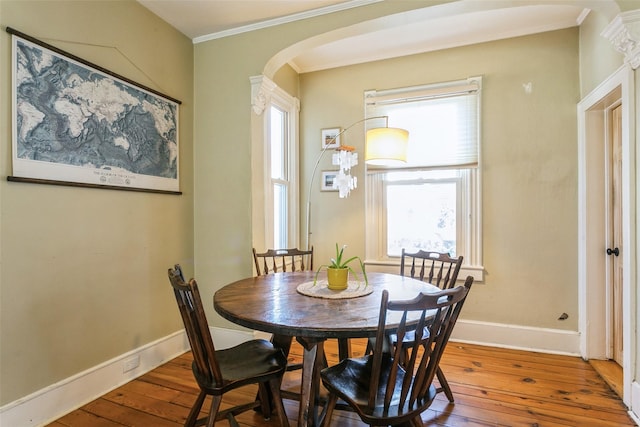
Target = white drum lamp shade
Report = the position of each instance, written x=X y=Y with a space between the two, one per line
x=386 y=146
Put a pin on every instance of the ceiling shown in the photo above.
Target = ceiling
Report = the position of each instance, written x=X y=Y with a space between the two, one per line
x=444 y=26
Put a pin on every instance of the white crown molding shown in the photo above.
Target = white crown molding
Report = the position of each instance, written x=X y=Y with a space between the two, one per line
x=624 y=33
x=285 y=19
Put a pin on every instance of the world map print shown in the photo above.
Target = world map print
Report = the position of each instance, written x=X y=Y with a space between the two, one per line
x=88 y=126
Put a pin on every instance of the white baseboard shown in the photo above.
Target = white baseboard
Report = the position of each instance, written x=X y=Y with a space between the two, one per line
x=56 y=400
x=52 y=402
x=543 y=340
x=634 y=411
x=553 y=341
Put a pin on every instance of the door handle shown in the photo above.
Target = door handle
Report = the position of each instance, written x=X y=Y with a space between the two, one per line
x=614 y=251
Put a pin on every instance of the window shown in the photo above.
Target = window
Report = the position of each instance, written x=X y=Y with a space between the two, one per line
x=279 y=172
x=274 y=166
x=433 y=202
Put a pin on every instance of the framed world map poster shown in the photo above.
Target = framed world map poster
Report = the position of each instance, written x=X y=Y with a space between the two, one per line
x=75 y=123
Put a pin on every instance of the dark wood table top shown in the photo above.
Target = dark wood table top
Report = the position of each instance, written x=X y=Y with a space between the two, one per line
x=272 y=304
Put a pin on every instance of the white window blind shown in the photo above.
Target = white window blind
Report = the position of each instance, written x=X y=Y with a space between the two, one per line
x=442 y=120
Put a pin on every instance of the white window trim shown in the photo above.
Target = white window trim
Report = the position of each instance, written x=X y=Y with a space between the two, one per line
x=264 y=94
x=471 y=204
x=376 y=231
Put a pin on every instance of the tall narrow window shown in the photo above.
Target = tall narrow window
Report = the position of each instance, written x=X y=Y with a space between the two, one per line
x=274 y=166
x=278 y=146
x=433 y=202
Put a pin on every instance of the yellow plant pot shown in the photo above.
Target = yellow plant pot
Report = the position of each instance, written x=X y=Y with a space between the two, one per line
x=337 y=278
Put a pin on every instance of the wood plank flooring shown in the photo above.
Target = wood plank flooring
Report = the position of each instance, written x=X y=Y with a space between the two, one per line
x=491 y=386
x=611 y=372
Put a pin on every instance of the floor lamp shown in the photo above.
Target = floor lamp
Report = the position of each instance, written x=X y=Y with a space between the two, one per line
x=383 y=146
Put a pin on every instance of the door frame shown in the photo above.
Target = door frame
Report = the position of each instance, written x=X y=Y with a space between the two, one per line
x=592 y=217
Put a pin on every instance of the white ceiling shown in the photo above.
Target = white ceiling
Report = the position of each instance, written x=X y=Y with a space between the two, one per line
x=449 y=25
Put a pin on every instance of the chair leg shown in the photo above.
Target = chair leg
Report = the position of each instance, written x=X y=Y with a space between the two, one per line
x=195 y=410
x=264 y=396
x=444 y=384
x=213 y=412
x=344 y=348
x=232 y=420
x=328 y=412
x=274 y=386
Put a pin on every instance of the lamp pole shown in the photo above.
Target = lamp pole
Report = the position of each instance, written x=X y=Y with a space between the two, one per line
x=315 y=168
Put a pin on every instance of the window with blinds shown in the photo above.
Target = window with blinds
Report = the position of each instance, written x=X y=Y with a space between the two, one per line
x=433 y=201
x=442 y=120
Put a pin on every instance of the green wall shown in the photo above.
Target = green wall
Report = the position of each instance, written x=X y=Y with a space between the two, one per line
x=83 y=271
x=598 y=59
x=528 y=166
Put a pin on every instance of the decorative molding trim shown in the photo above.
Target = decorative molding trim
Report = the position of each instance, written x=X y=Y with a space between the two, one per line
x=624 y=33
x=518 y=337
x=52 y=402
x=285 y=19
x=583 y=15
x=635 y=403
x=261 y=90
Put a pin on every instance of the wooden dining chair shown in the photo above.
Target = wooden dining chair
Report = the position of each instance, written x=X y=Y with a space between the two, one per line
x=437 y=268
x=281 y=260
x=380 y=389
x=220 y=371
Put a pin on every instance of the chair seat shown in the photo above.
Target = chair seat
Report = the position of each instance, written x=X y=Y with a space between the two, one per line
x=243 y=364
x=350 y=380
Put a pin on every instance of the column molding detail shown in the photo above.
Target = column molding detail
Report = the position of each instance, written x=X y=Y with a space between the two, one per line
x=261 y=90
x=624 y=33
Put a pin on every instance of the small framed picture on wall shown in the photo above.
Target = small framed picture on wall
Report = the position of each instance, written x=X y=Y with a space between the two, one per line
x=330 y=138
x=327 y=179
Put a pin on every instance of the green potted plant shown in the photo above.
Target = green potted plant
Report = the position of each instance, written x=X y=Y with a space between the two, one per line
x=338 y=270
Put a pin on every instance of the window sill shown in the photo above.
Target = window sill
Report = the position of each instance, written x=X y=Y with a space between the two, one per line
x=393 y=267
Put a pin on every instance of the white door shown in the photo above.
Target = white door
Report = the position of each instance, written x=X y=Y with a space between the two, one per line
x=615 y=241
x=602 y=305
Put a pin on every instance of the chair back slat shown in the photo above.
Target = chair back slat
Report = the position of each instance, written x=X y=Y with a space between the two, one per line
x=275 y=260
x=196 y=325
x=432 y=318
x=437 y=268
x=378 y=355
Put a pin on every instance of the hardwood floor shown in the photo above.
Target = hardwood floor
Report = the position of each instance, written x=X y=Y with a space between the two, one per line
x=611 y=372
x=491 y=386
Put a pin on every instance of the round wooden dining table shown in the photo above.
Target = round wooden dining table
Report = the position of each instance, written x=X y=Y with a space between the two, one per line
x=272 y=303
